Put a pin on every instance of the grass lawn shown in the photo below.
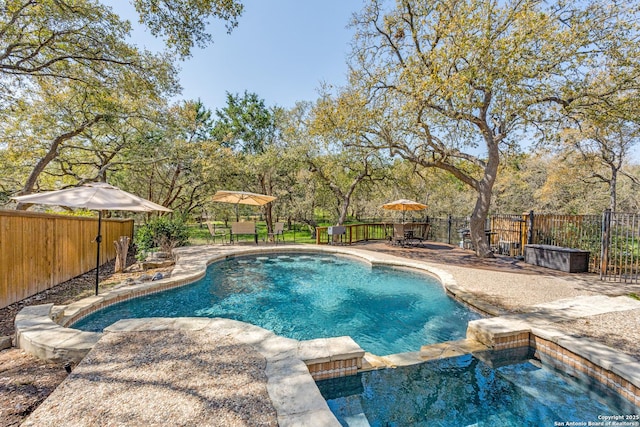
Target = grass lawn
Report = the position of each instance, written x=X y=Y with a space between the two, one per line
x=199 y=233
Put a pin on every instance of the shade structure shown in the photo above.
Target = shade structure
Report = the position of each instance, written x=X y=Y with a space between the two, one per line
x=242 y=197
x=98 y=196
x=404 y=205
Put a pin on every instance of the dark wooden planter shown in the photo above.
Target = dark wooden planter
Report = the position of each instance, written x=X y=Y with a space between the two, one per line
x=558 y=258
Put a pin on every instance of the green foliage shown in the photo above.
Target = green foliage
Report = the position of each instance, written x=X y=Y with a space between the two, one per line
x=245 y=124
x=162 y=232
x=183 y=23
x=76 y=212
x=296 y=232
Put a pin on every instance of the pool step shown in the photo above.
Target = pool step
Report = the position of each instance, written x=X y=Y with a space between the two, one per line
x=443 y=350
x=355 y=416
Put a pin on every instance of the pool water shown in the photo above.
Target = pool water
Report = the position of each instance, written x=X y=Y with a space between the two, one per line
x=307 y=296
x=464 y=391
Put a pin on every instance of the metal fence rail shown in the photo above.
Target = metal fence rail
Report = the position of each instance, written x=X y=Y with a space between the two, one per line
x=620 y=249
x=451 y=230
x=612 y=239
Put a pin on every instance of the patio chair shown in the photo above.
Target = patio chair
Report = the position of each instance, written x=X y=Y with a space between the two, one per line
x=222 y=234
x=419 y=232
x=398 y=237
x=278 y=232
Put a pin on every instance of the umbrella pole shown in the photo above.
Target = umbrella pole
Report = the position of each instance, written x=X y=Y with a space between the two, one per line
x=98 y=240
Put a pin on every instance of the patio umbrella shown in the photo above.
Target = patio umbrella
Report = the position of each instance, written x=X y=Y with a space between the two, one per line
x=404 y=205
x=242 y=198
x=98 y=196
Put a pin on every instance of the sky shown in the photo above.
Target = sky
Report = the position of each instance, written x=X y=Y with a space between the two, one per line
x=282 y=50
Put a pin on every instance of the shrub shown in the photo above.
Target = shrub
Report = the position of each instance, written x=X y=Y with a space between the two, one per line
x=163 y=233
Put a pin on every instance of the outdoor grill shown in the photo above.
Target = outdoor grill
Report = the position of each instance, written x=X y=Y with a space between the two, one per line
x=336 y=230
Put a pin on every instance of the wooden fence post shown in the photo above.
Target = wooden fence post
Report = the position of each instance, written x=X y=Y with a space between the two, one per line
x=606 y=238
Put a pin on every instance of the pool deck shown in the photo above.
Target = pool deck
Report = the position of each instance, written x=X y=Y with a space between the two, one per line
x=592 y=320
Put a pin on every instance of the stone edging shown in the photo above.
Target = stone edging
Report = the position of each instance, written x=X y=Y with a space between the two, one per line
x=44 y=332
x=291 y=379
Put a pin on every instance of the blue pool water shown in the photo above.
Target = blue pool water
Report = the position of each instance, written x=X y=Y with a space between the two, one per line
x=464 y=391
x=310 y=296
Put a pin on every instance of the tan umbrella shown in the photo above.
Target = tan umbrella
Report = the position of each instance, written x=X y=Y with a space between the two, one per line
x=404 y=205
x=242 y=198
x=98 y=196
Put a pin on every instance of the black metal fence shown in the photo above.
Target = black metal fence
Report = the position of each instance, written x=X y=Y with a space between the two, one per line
x=620 y=248
x=451 y=230
x=612 y=239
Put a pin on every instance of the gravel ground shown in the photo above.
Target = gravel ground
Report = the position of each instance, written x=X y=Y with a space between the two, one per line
x=182 y=389
x=619 y=330
x=25 y=381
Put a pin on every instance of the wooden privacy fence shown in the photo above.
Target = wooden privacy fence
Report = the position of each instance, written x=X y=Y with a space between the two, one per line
x=39 y=251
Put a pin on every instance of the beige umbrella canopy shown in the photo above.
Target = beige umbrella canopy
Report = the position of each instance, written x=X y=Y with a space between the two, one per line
x=404 y=205
x=242 y=197
x=98 y=196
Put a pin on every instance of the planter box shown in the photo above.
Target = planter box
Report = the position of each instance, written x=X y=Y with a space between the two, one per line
x=558 y=258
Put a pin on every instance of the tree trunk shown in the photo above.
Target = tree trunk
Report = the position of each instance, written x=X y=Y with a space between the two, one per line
x=344 y=209
x=268 y=212
x=612 y=189
x=122 y=247
x=51 y=154
x=483 y=203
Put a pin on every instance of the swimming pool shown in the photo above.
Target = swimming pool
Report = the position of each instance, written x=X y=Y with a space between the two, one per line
x=464 y=391
x=306 y=296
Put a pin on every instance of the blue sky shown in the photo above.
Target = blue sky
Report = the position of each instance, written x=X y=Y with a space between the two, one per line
x=282 y=50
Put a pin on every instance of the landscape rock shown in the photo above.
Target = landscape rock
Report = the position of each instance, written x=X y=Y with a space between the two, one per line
x=128 y=281
x=5 y=342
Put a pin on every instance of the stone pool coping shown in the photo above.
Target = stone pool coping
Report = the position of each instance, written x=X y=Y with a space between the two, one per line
x=41 y=330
